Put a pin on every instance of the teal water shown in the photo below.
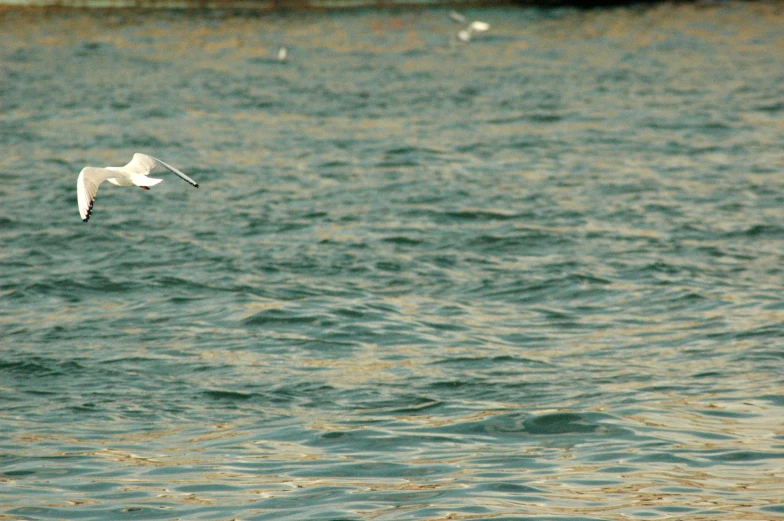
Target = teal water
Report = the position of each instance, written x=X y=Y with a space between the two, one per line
x=536 y=276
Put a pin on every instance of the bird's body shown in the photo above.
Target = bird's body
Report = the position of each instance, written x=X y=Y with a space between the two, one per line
x=132 y=174
x=475 y=27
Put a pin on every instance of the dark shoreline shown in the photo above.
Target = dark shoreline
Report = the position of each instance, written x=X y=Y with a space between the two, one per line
x=324 y=5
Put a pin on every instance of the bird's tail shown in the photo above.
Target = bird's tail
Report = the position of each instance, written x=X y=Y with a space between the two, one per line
x=144 y=181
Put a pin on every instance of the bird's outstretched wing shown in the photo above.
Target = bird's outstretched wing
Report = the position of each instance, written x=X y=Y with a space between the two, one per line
x=140 y=164
x=457 y=17
x=143 y=164
x=168 y=167
x=90 y=178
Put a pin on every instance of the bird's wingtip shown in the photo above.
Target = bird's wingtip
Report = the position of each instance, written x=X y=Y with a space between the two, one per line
x=88 y=212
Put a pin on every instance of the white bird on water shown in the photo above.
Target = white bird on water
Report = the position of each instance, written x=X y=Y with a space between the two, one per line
x=134 y=173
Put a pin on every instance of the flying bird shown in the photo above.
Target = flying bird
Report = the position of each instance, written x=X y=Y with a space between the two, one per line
x=134 y=173
x=474 y=27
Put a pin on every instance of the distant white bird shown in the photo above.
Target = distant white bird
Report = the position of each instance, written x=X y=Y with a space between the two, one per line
x=474 y=27
x=283 y=53
x=134 y=173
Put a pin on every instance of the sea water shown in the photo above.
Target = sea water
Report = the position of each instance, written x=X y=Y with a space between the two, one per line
x=537 y=275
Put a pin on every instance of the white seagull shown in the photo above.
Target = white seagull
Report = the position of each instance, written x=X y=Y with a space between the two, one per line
x=474 y=27
x=134 y=173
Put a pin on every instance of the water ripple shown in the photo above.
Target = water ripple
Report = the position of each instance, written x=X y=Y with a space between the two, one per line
x=533 y=276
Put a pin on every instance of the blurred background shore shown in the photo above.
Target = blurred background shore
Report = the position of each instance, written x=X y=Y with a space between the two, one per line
x=276 y=5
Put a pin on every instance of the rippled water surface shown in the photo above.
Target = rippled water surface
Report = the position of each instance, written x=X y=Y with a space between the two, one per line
x=538 y=275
